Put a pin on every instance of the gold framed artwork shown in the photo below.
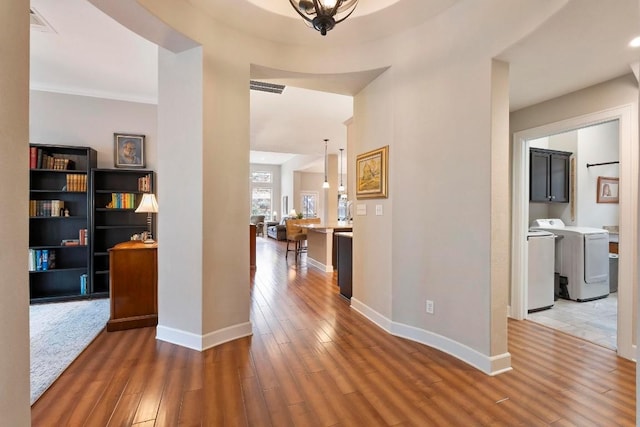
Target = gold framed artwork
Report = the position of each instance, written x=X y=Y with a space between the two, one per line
x=372 y=174
x=607 y=190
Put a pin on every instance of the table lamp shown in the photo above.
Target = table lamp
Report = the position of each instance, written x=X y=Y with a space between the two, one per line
x=149 y=205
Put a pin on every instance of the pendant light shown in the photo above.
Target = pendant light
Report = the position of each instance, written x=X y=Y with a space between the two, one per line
x=341 y=188
x=326 y=183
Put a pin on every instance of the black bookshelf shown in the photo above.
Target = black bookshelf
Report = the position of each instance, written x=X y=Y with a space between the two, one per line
x=114 y=219
x=58 y=211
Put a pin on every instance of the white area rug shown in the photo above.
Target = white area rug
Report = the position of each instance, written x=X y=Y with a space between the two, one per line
x=59 y=332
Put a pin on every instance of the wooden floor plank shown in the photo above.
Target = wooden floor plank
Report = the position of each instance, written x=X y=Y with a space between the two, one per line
x=312 y=361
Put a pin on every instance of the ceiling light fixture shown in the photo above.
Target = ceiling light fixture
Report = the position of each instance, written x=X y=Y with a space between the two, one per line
x=323 y=15
x=341 y=188
x=325 y=184
x=635 y=42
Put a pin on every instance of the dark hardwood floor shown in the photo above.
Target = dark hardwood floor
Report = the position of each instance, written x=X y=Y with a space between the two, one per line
x=312 y=361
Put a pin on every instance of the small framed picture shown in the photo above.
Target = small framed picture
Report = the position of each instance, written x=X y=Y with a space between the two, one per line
x=607 y=190
x=129 y=150
x=371 y=174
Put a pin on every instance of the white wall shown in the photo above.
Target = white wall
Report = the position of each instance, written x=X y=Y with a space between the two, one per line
x=288 y=175
x=181 y=211
x=597 y=144
x=87 y=121
x=310 y=182
x=14 y=226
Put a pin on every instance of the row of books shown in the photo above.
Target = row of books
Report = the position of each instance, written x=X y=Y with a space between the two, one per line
x=83 y=238
x=39 y=159
x=46 y=208
x=76 y=182
x=144 y=183
x=42 y=259
x=122 y=201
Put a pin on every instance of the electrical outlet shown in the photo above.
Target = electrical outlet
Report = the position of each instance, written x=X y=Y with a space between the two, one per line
x=429 y=306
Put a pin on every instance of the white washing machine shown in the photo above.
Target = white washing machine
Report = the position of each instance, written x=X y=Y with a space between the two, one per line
x=582 y=259
x=541 y=249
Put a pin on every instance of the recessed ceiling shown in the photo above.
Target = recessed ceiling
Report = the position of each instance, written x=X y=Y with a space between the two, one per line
x=276 y=20
x=283 y=7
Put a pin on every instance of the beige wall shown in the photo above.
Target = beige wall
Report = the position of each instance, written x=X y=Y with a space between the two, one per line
x=613 y=93
x=372 y=243
x=62 y=119
x=435 y=106
x=14 y=227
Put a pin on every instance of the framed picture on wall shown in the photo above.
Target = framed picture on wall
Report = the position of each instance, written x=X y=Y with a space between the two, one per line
x=371 y=174
x=607 y=190
x=128 y=150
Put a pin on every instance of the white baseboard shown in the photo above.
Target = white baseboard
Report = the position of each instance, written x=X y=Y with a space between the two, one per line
x=320 y=266
x=203 y=342
x=491 y=365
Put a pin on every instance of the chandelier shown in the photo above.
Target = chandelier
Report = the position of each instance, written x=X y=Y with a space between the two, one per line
x=323 y=15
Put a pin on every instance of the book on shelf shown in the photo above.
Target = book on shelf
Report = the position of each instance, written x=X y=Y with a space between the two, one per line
x=70 y=242
x=144 y=183
x=42 y=259
x=122 y=201
x=40 y=159
x=83 y=236
x=83 y=284
x=76 y=182
x=46 y=207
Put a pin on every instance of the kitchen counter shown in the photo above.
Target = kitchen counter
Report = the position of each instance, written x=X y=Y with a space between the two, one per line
x=321 y=245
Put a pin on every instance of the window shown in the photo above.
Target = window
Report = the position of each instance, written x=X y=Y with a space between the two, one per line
x=261 y=202
x=261 y=177
x=309 y=204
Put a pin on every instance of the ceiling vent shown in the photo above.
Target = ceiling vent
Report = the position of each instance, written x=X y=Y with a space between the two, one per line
x=266 y=87
x=38 y=23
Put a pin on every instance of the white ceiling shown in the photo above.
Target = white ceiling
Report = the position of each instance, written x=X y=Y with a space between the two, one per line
x=91 y=54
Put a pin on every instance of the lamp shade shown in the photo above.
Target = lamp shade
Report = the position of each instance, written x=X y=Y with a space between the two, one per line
x=148 y=204
x=292 y=212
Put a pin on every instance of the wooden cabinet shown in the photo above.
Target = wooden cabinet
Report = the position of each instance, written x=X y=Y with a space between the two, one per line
x=116 y=194
x=549 y=176
x=344 y=254
x=59 y=260
x=133 y=284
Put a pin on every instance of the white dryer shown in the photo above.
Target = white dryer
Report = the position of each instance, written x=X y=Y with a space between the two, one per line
x=582 y=259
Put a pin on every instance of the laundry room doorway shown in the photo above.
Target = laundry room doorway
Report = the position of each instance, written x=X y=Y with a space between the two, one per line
x=594 y=319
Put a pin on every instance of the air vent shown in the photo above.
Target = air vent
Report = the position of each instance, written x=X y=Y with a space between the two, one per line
x=38 y=23
x=266 y=87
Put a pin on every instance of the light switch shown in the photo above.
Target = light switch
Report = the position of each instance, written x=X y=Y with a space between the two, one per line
x=378 y=210
x=361 y=209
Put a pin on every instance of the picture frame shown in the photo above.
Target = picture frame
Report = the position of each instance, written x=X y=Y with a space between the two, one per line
x=128 y=150
x=608 y=190
x=372 y=174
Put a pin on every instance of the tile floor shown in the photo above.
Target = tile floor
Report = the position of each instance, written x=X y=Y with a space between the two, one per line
x=595 y=321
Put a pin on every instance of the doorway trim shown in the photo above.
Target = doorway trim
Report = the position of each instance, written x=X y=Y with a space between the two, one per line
x=627 y=272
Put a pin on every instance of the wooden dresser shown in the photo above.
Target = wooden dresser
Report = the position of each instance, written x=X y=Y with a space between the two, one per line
x=133 y=285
